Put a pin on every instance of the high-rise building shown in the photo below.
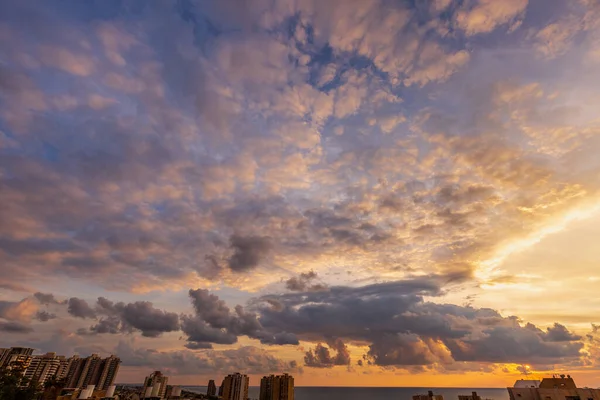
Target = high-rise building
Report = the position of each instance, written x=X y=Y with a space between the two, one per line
x=155 y=385
x=556 y=388
x=92 y=370
x=16 y=356
x=42 y=368
x=235 y=387
x=108 y=372
x=89 y=371
x=212 y=388
x=75 y=364
x=277 y=387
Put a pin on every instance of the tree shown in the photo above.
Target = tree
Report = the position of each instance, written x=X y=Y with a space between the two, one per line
x=13 y=385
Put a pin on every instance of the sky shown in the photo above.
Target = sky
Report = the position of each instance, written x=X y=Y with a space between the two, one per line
x=357 y=192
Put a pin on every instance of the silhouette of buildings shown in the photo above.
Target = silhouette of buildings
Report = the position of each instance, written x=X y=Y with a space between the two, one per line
x=235 y=387
x=212 y=388
x=277 y=387
x=155 y=386
x=472 y=396
x=428 y=396
x=556 y=388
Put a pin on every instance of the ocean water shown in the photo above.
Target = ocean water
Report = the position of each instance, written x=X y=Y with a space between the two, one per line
x=379 y=393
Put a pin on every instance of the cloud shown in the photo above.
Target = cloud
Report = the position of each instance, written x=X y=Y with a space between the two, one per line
x=320 y=356
x=46 y=298
x=66 y=60
x=44 y=316
x=302 y=282
x=80 y=308
x=14 y=327
x=246 y=359
x=214 y=322
x=248 y=252
x=140 y=315
x=21 y=311
x=483 y=16
x=404 y=329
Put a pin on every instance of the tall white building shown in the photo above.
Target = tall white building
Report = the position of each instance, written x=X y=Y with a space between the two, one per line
x=235 y=387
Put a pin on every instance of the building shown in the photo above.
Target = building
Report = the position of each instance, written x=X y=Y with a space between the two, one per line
x=42 y=368
x=277 y=387
x=93 y=370
x=472 y=396
x=235 y=387
x=428 y=396
x=155 y=385
x=212 y=388
x=16 y=357
x=556 y=388
x=109 y=367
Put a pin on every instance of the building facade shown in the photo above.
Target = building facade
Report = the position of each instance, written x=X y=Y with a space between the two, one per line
x=235 y=387
x=16 y=357
x=42 y=368
x=277 y=387
x=556 y=388
x=92 y=370
x=212 y=388
x=155 y=385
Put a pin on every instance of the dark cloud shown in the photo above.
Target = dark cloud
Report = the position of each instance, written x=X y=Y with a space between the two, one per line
x=404 y=329
x=560 y=333
x=248 y=252
x=46 y=298
x=139 y=316
x=14 y=327
x=302 y=282
x=321 y=356
x=80 y=308
x=215 y=322
x=44 y=316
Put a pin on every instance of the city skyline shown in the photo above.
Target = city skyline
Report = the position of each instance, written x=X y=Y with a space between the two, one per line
x=353 y=192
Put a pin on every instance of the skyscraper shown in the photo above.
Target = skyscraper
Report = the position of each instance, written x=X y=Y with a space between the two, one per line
x=42 y=368
x=155 y=385
x=277 y=387
x=212 y=388
x=89 y=371
x=235 y=387
x=92 y=370
x=16 y=356
x=108 y=372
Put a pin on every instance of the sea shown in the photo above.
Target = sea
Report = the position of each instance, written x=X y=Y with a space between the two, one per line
x=373 y=393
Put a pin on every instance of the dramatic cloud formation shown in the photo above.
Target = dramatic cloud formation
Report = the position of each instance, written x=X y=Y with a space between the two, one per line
x=403 y=329
x=395 y=185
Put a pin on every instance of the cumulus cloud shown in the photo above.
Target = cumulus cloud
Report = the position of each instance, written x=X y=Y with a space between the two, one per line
x=80 y=308
x=404 y=329
x=215 y=322
x=303 y=282
x=321 y=357
x=248 y=252
x=138 y=316
x=21 y=311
